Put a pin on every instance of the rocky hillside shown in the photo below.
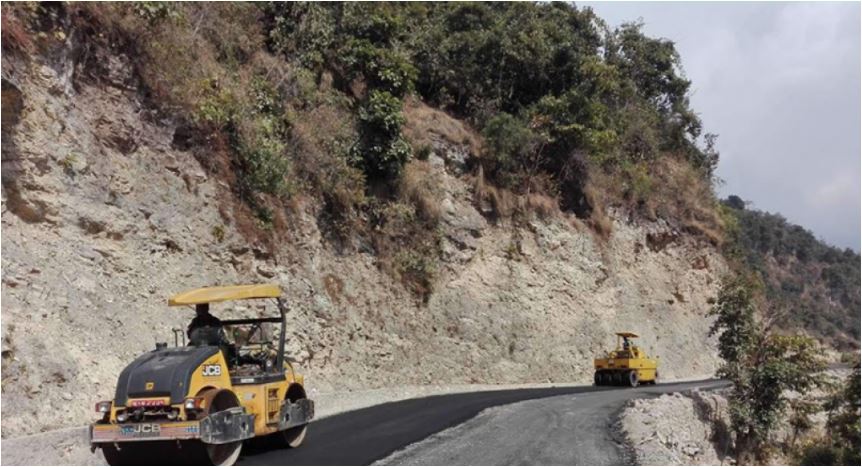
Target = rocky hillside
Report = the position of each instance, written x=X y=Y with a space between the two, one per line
x=448 y=256
x=812 y=285
x=105 y=214
x=695 y=428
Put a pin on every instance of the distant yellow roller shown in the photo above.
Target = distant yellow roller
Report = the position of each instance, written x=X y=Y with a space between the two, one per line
x=627 y=365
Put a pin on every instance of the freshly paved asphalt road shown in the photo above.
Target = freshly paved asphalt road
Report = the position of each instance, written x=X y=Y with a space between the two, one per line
x=364 y=436
x=573 y=429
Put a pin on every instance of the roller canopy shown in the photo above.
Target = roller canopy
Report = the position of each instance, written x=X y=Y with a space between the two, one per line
x=627 y=334
x=221 y=294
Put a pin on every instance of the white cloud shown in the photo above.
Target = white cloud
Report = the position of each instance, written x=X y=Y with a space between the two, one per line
x=843 y=189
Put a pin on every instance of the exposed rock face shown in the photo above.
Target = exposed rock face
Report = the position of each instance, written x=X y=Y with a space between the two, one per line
x=678 y=429
x=694 y=428
x=103 y=218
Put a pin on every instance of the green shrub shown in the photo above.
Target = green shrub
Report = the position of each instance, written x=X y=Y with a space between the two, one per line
x=409 y=239
x=69 y=162
x=216 y=106
x=424 y=152
x=381 y=150
x=153 y=12
x=263 y=215
x=382 y=113
x=417 y=270
x=821 y=454
x=638 y=182
x=218 y=233
x=509 y=144
x=382 y=68
x=264 y=165
x=762 y=366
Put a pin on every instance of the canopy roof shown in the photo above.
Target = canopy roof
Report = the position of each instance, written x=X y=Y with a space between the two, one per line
x=221 y=294
x=627 y=334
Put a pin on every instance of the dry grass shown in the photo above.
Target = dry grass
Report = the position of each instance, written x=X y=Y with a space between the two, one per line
x=598 y=221
x=425 y=124
x=501 y=203
x=410 y=240
x=419 y=187
x=15 y=36
x=184 y=58
x=601 y=224
x=406 y=230
x=408 y=248
x=544 y=206
x=683 y=195
x=671 y=189
x=321 y=138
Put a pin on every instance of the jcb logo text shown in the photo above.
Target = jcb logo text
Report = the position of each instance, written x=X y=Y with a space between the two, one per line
x=212 y=370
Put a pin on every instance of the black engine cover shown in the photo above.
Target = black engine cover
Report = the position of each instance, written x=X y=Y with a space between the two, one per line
x=170 y=371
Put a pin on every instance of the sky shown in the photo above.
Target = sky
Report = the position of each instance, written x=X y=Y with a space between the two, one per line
x=780 y=84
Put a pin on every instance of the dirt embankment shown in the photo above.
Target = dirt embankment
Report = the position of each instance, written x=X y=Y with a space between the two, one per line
x=104 y=217
x=677 y=429
x=693 y=428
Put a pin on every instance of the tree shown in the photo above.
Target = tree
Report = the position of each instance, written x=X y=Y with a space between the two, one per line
x=578 y=96
x=843 y=426
x=381 y=151
x=840 y=446
x=762 y=366
x=512 y=150
x=735 y=202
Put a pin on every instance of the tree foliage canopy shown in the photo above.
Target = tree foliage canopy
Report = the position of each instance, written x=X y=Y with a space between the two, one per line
x=561 y=81
x=762 y=366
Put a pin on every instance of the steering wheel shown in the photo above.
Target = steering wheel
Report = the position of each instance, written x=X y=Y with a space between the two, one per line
x=256 y=353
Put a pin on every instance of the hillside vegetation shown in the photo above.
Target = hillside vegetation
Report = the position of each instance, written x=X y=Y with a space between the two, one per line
x=808 y=283
x=304 y=98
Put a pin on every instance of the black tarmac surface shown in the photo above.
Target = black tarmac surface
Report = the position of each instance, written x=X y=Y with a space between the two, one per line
x=364 y=436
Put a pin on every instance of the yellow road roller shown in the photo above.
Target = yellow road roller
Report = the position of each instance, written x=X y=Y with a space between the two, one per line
x=196 y=402
x=627 y=365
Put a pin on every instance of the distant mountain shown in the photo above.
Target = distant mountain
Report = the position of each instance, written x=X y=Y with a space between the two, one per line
x=815 y=284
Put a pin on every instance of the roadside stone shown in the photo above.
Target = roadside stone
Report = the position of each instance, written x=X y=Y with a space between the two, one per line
x=265 y=271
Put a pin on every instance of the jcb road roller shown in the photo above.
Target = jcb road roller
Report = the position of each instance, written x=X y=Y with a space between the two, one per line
x=197 y=402
x=627 y=365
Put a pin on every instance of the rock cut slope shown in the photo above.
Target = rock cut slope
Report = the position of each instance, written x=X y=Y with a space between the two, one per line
x=104 y=216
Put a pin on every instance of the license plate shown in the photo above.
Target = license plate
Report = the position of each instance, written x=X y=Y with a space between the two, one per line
x=157 y=402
